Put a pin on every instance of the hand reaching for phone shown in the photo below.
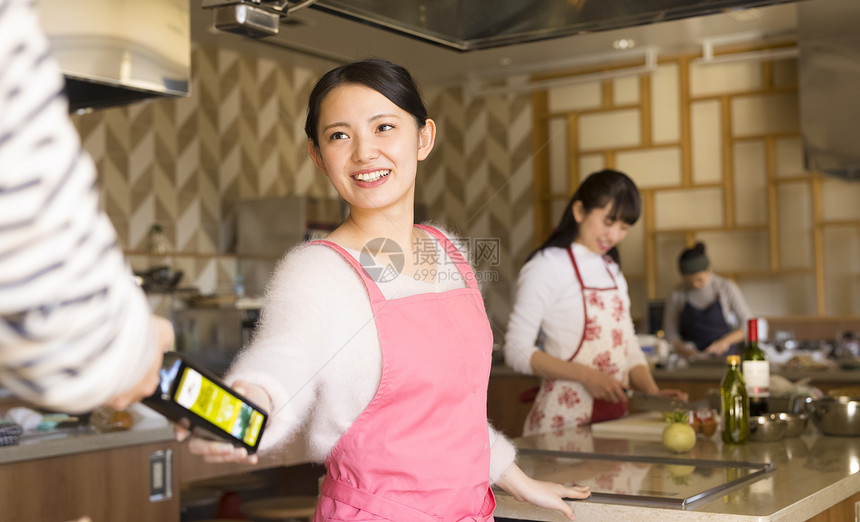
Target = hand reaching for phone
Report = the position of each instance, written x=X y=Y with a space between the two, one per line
x=164 y=338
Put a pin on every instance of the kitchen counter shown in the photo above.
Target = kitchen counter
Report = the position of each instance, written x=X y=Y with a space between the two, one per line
x=149 y=427
x=140 y=471
x=717 y=371
x=811 y=474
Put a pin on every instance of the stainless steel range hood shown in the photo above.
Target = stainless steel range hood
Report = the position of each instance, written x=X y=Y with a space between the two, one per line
x=468 y=25
x=829 y=75
x=115 y=52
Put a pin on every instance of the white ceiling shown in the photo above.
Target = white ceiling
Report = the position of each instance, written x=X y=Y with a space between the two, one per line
x=334 y=40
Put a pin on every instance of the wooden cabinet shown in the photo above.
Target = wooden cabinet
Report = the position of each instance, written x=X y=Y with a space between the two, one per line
x=107 y=486
x=506 y=405
x=841 y=512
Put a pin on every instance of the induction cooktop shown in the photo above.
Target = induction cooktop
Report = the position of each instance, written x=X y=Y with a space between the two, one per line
x=642 y=480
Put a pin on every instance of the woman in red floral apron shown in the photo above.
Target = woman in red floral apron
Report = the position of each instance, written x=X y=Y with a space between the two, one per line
x=572 y=301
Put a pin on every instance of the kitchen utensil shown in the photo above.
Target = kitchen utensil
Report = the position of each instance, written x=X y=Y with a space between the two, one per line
x=836 y=415
x=790 y=403
x=643 y=426
x=767 y=428
x=10 y=433
x=160 y=279
x=850 y=392
x=639 y=401
x=795 y=423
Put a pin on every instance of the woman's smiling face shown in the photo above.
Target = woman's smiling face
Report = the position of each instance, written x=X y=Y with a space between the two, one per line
x=597 y=229
x=369 y=147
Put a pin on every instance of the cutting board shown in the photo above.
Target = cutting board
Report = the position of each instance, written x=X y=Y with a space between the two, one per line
x=647 y=425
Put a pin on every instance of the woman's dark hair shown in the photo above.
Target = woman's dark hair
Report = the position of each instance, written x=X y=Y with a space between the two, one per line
x=598 y=190
x=389 y=79
x=693 y=260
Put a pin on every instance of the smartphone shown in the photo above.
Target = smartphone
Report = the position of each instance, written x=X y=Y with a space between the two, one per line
x=213 y=410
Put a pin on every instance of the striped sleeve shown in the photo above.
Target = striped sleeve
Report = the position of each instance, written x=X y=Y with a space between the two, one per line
x=75 y=330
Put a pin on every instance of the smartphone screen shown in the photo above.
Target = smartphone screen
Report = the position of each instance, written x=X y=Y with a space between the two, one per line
x=218 y=406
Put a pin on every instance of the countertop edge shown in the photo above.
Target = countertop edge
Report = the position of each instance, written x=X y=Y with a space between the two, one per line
x=149 y=427
x=508 y=506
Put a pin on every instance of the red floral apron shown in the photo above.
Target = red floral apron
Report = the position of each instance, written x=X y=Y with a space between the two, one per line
x=604 y=346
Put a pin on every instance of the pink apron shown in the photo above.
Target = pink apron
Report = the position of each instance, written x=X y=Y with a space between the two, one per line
x=604 y=345
x=420 y=450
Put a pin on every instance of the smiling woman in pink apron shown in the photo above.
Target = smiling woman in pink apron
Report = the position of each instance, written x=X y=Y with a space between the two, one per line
x=375 y=340
x=572 y=300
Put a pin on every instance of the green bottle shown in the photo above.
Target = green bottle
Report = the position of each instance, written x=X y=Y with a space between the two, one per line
x=735 y=402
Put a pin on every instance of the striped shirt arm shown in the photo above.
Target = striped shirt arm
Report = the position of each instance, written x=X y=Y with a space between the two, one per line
x=75 y=330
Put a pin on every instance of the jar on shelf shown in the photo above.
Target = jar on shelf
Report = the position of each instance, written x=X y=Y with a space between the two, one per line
x=158 y=247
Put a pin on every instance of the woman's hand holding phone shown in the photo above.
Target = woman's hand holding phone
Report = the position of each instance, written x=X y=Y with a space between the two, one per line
x=215 y=451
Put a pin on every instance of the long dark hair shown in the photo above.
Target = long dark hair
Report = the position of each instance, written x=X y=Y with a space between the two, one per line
x=387 y=78
x=598 y=189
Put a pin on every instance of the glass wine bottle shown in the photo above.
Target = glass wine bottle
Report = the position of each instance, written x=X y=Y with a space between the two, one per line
x=733 y=396
x=756 y=370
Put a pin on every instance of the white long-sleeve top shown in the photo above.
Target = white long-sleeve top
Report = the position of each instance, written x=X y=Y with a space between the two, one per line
x=549 y=302
x=316 y=351
x=75 y=330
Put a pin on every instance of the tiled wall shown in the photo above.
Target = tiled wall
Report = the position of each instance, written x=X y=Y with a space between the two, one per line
x=184 y=163
x=478 y=181
x=716 y=151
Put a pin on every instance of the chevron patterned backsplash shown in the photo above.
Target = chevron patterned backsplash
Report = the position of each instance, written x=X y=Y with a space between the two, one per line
x=183 y=163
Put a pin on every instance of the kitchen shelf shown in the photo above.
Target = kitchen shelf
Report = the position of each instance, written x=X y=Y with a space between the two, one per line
x=737 y=144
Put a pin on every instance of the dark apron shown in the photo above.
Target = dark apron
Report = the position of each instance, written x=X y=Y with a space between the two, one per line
x=703 y=327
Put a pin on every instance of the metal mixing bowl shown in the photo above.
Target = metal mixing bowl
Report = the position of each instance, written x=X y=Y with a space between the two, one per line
x=836 y=415
x=767 y=428
x=795 y=423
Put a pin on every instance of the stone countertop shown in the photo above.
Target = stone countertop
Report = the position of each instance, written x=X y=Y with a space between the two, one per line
x=813 y=472
x=148 y=427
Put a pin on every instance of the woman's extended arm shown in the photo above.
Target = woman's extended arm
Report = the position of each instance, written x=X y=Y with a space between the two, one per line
x=544 y=494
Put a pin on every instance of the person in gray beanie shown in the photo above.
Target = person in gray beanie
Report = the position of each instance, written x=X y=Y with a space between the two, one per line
x=706 y=313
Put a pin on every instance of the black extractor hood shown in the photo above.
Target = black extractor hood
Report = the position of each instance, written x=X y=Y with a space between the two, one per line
x=829 y=75
x=467 y=25
x=115 y=52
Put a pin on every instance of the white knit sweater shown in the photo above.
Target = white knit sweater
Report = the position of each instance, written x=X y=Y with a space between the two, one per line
x=316 y=350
